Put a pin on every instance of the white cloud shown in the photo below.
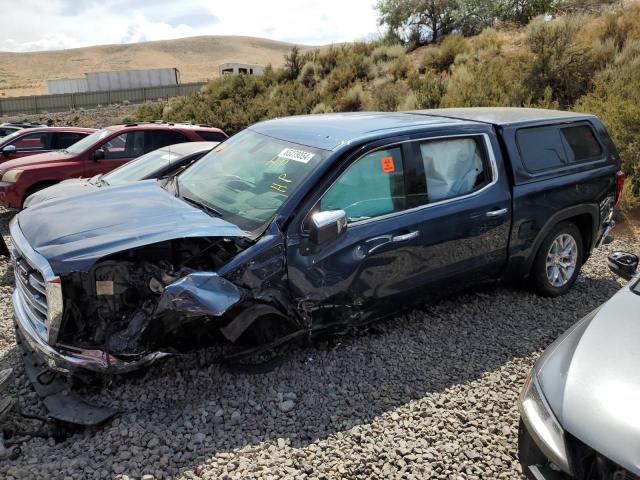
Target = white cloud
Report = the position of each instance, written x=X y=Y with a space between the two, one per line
x=306 y=21
x=56 y=24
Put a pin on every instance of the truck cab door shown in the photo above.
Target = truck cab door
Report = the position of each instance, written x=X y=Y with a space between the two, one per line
x=466 y=221
x=363 y=270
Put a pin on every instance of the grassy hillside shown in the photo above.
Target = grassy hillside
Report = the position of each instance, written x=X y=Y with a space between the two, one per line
x=197 y=58
x=585 y=63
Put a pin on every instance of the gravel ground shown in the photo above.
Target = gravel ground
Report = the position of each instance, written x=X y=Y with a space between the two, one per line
x=430 y=394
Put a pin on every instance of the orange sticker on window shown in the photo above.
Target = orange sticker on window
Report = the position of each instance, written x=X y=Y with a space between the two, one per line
x=387 y=164
x=220 y=147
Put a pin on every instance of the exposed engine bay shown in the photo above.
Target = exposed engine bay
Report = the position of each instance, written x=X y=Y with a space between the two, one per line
x=142 y=300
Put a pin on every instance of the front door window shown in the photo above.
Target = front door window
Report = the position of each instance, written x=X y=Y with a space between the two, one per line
x=126 y=145
x=371 y=187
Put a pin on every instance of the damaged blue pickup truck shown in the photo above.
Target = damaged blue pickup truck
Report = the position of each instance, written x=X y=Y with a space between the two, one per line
x=304 y=224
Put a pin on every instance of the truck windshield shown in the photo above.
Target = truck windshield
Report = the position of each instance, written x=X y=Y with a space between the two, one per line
x=247 y=178
x=87 y=141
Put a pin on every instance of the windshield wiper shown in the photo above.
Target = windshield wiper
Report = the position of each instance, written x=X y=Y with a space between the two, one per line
x=202 y=206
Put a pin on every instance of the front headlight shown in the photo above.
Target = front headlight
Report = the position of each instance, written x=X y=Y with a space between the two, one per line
x=542 y=424
x=11 y=176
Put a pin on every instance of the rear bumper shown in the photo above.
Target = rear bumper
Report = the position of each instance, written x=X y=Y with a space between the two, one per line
x=607 y=230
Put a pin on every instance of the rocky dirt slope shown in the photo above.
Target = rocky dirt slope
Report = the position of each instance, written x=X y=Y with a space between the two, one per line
x=87 y=118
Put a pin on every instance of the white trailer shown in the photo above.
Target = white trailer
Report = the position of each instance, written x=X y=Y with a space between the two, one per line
x=116 y=80
x=67 y=85
x=126 y=79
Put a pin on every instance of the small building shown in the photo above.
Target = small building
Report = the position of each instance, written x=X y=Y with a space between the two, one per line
x=240 y=69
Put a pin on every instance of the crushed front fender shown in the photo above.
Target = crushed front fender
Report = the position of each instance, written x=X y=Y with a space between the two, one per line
x=199 y=294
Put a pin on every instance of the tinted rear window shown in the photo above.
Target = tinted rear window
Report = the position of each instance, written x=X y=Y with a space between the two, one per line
x=65 y=139
x=582 y=143
x=544 y=148
x=208 y=136
x=162 y=138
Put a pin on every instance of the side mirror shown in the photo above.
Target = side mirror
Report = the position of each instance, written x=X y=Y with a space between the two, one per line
x=98 y=154
x=9 y=149
x=327 y=226
x=623 y=264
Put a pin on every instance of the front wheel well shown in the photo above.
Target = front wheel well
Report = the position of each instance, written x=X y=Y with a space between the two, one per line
x=37 y=187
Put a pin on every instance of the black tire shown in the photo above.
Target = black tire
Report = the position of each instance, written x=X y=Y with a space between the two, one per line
x=539 y=278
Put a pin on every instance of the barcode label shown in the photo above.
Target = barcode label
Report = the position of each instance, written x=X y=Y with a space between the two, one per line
x=296 y=155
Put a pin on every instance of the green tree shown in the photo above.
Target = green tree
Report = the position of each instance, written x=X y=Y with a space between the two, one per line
x=522 y=11
x=292 y=64
x=418 y=22
x=476 y=15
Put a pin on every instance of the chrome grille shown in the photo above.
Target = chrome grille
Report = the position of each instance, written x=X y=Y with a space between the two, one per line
x=31 y=287
x=38 y=293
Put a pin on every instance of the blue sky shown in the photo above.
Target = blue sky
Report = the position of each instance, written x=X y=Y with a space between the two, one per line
x=55 y=24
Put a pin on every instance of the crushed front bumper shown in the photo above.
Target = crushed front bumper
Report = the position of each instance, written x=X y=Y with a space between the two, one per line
x=37 y=333
x=67 y=359
x=62 y=403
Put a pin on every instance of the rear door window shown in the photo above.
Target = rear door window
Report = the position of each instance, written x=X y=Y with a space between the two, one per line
x=556 y=146
x=62 y=140
x=161 y=138
x=453 y=167
x=126 y=145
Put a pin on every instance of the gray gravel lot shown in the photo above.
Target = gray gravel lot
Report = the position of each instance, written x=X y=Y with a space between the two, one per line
x=430 y=394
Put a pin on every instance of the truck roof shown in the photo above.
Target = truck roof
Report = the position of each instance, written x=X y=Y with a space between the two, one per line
x=502 y=116
x=331 y=130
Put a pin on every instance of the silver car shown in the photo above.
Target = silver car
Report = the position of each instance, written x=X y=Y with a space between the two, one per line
x=580 y=406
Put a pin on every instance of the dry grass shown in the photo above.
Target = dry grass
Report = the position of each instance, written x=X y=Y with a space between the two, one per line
x=197 y=58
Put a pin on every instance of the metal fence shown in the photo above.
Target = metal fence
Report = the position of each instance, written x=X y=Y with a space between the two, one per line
x=71 y=101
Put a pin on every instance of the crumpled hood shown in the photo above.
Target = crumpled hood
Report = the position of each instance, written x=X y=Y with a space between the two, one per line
x=35 y=160
x=72 y=233
x=591 y=378
x=62 y=189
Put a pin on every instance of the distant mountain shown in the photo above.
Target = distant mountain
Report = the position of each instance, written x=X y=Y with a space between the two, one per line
x=197 y=58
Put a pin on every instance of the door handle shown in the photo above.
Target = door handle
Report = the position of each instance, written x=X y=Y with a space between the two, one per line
x=374 y=244
x=497 y=213
x=405 y=237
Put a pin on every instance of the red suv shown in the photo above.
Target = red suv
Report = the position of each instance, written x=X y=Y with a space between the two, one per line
x=31 y=141
x=97 y=153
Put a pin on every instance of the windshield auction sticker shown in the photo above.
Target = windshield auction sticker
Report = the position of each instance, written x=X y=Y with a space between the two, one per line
x=296 y=155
